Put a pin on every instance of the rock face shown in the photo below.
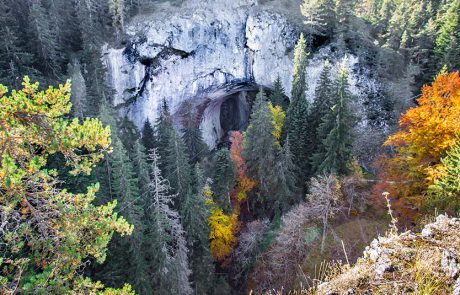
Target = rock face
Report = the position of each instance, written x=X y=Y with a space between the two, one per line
x=205 y=51
x=187 y=52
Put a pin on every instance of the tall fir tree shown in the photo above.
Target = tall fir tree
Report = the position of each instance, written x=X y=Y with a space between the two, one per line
x=163 y=131
x=296 y=126
x=336 y=131
x=177 y=167
x=78 y=97
x=166 y=244
x=223 y=179
x=148 y=136
x=320 y=18
x=195 y=213
x=321 y=106
x=447 y=51
x=278 y=96
x=191 y=134
x=141 y=167
x=260 y=144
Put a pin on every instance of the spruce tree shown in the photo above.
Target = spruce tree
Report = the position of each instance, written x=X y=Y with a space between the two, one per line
x=321 y=105
x=141 y=166
x=195 y=214
x=163 y=132
x=78 y=97
x=223 y=179
x=285 y=189
x=166 y=246
x=177 y=167
x=320 y=17
x=191 y=134
x=260 y=144
x=447 y=51
x=148 y=136
x=334 y=155
x=278 y=96
x=126 y=259
x=296 y=126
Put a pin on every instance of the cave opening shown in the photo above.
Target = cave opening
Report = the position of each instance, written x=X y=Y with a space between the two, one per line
x=227 y=109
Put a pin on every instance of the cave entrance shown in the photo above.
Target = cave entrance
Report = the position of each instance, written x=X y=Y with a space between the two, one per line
x=227 y=109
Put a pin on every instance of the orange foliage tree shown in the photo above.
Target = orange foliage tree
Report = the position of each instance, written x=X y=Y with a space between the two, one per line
x=426 y=132
x=243 y=183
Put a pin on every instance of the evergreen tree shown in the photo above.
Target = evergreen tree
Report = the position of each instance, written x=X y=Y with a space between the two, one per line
x=139 y=158
x=320 y=17
x=335 y=154
x=260 y=144
x=177 y=167
x=117 y=14
x=224 y=178
x=15 y=60
x=191 y=134
x=278 y=96
x=166 y=245
x=148 y=136
x=285 y=190
x=195 y=214
x=163 y=131
x=45 y=45
x=88 y=21
x=296 y=126
x=447 y=49
x=397 y=26
x=78 y=97
x=126 y=259
x=321 y=105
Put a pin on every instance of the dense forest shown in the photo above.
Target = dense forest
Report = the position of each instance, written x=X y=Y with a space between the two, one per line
x=92 y=204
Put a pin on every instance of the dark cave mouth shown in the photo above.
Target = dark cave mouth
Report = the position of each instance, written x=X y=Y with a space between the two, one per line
x=227 y=109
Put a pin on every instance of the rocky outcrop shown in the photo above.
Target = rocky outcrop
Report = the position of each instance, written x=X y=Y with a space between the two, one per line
x=204 y=50
x=426 y=263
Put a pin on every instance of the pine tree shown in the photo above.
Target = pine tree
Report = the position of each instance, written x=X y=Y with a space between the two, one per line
x=296 y=126
x=195 y=214
x=278 y=96
x=78 y=97
x=447 y=49
x=321 y=105
x=148 y=136
x=260 y=144
x=335 y=154
x=166 y=245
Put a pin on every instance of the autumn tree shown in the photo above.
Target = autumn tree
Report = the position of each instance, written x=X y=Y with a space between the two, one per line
x=426 y=133
x=48 y=233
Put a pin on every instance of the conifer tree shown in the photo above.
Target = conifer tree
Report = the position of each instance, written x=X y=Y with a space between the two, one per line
x=447 y=49
x=321 y=105
x=195 y=213
x=117 y=14
x=88 y=21
x=166 y=245
x=320 y=17
x=335 y=154
x=78 y=97
x=139 y=158
x=278 y=96
x=126 y=258
x=177 y=167
x=260 y=144
x=285 y=189
x=45 y=46
x=296 y=126
x=191 y=134
x=148 y=136
x=163 y=131
x=223 y=179
x=15 y=60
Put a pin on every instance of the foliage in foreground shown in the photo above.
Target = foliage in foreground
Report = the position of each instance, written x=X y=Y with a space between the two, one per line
x=47 y=233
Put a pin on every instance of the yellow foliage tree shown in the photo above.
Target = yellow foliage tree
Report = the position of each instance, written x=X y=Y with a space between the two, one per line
x=278 y=117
